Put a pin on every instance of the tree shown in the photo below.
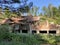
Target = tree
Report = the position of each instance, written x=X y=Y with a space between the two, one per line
x=48 y=11
x=7 y=13
x=34 y=10
x=24 y=8
x=44 y=10
x=52 y=13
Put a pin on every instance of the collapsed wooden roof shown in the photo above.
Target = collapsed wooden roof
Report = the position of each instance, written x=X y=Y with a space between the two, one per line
x=19 y=19
x=42 y=26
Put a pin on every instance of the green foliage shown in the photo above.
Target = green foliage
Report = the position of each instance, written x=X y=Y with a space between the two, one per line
x=11 y=43
x=52 y=12
x=36 y=39
x=49 y=38
x=26 y=39
x=57 y=38
x=7 y=13
x=24 y=10
x=4 y=32
x=34 y=11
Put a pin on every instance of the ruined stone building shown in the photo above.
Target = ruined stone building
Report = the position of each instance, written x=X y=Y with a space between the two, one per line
x=31 y=24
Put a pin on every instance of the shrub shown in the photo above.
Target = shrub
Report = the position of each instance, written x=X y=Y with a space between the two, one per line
x=26 y=39
x=50 y=39
x=4 y=32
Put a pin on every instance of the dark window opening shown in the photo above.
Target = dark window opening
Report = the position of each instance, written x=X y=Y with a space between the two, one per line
x=33 y=31
x=52 y=32
x=24 y=31
x=16 y=31
x=10 y=23
x=23 y=25
x=43 y=31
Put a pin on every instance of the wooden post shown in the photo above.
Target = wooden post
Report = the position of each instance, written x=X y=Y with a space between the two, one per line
x=30 y=28
x=37 y=31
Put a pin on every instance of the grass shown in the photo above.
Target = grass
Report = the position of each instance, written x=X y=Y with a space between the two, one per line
x=31 y=39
